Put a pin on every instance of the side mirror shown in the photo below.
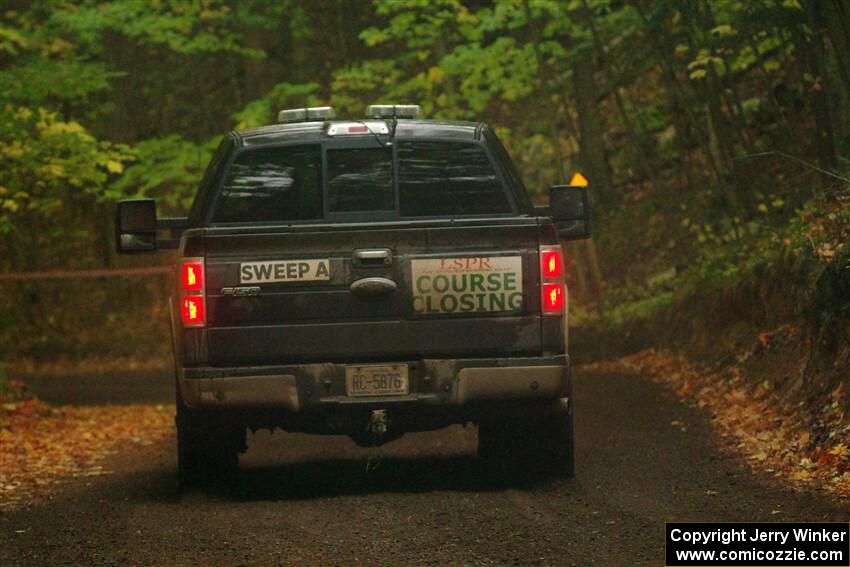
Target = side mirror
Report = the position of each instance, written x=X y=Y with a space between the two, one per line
x=135 y=226
x=570 y=209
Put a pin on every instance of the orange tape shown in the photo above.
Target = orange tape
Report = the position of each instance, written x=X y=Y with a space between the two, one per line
x=75 y=274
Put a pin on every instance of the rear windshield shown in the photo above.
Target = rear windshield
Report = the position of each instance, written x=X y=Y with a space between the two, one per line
x=360 y=180
x=427 y=179
x=272 y=184
x=437 y=178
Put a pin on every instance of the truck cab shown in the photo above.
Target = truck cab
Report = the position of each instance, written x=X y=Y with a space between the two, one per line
x=367 y=277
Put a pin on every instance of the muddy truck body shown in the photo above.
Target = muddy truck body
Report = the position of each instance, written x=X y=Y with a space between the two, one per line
x=367 y=278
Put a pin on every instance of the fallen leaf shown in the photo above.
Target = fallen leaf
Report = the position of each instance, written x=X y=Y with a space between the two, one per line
x=839 y=450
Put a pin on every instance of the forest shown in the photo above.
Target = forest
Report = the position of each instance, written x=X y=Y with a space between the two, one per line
x=715 y=135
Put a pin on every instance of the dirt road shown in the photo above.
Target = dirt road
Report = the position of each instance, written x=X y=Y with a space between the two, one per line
x=422 y=500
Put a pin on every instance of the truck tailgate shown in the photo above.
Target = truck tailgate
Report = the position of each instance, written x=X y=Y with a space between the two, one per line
x=395 y=291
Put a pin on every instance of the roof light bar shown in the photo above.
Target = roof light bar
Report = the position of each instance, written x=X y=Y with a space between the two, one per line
x=311 y=114
x=393 y=110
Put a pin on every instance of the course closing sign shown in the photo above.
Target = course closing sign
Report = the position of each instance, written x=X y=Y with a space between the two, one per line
x=465 y=285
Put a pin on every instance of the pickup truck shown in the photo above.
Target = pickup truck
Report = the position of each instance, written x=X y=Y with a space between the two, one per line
x=367 y=277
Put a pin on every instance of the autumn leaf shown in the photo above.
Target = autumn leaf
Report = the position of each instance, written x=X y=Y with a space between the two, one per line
x=839 y=450
x=41 y=444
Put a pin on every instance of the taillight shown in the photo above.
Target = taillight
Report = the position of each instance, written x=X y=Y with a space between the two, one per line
x=193 y=310
x=192 y=293
x=553 y=299
x=192 y=276
x=553 y=291
x=551 y=264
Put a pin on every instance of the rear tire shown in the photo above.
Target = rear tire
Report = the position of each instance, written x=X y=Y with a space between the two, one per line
x=208 y=446
x=544 y=445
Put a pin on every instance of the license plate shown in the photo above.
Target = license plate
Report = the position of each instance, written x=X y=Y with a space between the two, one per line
x=387 y=380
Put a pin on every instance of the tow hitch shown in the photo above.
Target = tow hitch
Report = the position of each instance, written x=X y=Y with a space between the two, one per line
x=377 y=431
x=377 y=426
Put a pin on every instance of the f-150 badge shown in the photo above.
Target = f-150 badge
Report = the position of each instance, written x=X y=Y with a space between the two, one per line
x=284 y=271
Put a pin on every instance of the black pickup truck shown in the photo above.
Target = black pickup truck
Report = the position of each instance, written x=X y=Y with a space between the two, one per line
x=367 y=278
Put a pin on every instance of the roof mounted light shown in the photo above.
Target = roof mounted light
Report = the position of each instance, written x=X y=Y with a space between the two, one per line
x=392 y=110
x=311 y=114
x=358 y=128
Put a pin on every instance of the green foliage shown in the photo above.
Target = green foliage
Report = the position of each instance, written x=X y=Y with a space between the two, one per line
x=37 y=81
x=812 y=241
x=457 y=63
x=537 y=156
x=629 y=312
x=371 y=80
x=54 y=55
x=284 y=95
x=184 y=26
x=167 y=169
x=12 y=41
x=46 y=161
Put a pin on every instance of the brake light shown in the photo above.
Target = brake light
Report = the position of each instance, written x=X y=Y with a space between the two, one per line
x=553 y=299
x=192 y=276
x=193 y=293
x=552 y=264
x=357 y=128
x=193 y=310
x=553 y=291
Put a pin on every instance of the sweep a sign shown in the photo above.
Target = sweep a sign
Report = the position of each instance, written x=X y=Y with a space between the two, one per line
x=464 y=285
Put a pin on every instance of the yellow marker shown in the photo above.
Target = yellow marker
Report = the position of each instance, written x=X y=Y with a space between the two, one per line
x=578 y=180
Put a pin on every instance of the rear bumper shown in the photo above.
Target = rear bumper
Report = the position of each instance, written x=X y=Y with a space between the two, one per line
x=451 y=383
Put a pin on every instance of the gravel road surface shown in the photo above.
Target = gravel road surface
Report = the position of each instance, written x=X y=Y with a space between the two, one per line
x=421 y=500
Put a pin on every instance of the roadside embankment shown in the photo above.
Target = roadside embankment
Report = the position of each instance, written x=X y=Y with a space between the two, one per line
x=763 y=346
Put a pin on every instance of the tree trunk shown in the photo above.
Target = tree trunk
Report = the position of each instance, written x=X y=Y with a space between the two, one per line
x=836 y=15
x=594 y=156
x=790 y=131
x=689 y=131
x=595 y=287
x=813 y=52
x=593 y=153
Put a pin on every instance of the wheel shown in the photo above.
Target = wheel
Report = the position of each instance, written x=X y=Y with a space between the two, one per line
x=541 y=445
x=208 y=446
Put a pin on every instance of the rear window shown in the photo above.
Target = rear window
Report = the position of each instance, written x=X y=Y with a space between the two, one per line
x=439 y=178
x=360 y=180
x=281 y=184
x=272 y=184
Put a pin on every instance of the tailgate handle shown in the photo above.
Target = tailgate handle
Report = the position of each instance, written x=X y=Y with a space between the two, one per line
x=373 y=258
x=373 y=286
